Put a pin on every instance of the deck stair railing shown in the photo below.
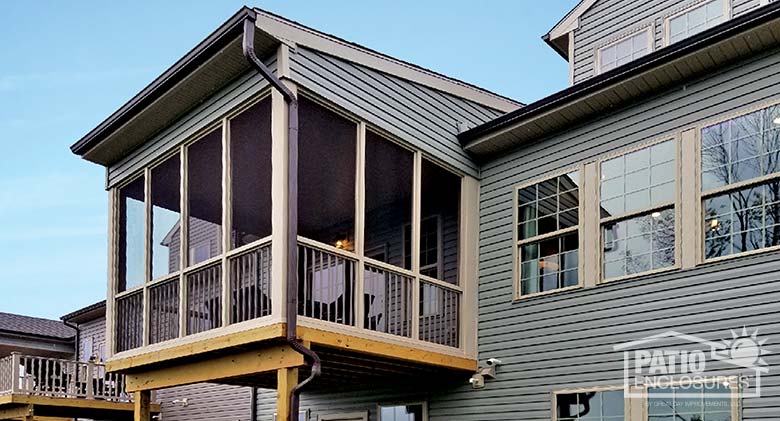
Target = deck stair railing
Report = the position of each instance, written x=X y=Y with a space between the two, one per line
x=60 y=378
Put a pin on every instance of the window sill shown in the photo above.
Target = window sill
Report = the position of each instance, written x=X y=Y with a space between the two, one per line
x=521 y=298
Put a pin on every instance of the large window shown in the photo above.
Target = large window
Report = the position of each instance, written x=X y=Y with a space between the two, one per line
x=627 y=49
x=700 y=403
x=166 y=222
x=740 y=167
x=638 y=210
x=250 y=160
x=594 y=406
x=695 y=20
x=204 y=195
x=132 y=229
x=439 y=223
x=547 y=234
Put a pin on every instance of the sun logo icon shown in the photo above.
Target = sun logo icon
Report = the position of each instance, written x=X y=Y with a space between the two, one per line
x=745 y=350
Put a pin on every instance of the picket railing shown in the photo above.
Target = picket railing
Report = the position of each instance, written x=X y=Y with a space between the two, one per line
x=60 y=378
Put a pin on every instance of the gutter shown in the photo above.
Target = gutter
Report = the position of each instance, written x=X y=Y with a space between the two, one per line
x=606 y=80
x=292 y=212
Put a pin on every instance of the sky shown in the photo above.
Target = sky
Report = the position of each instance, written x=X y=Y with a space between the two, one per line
x=66 y=65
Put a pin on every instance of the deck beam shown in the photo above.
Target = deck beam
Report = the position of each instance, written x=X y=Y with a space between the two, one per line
x=23 y=412
x=213 y=370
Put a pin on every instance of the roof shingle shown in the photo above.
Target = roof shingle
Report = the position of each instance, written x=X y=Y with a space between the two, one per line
x=16 y=323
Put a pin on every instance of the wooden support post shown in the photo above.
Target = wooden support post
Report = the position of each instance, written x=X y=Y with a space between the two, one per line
x=142 y=405
x=286 y=379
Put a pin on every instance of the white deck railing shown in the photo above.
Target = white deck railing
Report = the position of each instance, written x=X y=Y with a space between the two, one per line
x=59 y=378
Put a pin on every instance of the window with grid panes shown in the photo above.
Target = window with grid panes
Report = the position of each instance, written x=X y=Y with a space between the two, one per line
x=593 y=406
x=638 y=191
x=696 y=20
x=740 y=183
x=548 y=241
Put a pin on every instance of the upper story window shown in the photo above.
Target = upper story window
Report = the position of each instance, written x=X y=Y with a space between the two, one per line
x=638 y=210
x=624 y=50
x=548 y=241
x=740 y=172
x=132 y=233
x=696 y=19
x=606 y=405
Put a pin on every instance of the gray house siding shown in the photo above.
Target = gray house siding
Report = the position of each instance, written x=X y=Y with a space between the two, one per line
x=564 y=340
x=92 y=332
x=426 y=118
x=423 y=117
x=205 y=402
x=609 y=20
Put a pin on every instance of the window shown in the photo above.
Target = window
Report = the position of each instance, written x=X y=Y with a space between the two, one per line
x=389 y=169
x=548 y=241
x=430 y=244
x=711 y=402
x=740 y=167
x=624 y=51
x=165 y=217
x=250 y=161
x=132 y=232
x=414 y=412
x=440 y=222
x=695 y=20
x=596 y=406
x=326 y=176
x=204 y=193
x=638 y=210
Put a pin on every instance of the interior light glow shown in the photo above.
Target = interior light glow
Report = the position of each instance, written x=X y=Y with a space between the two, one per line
x=655 y=214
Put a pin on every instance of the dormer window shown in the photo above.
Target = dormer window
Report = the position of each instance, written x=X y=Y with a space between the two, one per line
x=624 y=50
x=696 y=19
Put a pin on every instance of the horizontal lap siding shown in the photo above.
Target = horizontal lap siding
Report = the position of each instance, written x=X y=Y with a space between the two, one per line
x=205 y=402
x=425 y=118
x=203 y=115
x=608 y=20
x=565 y=340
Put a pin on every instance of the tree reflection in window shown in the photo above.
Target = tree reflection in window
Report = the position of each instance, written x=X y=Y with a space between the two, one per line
x=596 y=406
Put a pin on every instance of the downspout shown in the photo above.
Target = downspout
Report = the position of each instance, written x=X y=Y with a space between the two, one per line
x=253 y=403
x=77 y=346
x=78 y=338
x=292 y=212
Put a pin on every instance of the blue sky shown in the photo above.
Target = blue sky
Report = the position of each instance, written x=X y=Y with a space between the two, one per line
x=66 y=65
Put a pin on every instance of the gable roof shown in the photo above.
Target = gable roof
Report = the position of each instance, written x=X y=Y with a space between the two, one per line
x=704 y=52
x=558 y=36
x=219 y=59
x=26 y=325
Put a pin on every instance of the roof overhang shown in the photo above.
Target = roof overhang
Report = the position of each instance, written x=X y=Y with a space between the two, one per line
x=746 y=35
x=86 y=314
x=212 y=64
x=558 y=36
x=219 y=59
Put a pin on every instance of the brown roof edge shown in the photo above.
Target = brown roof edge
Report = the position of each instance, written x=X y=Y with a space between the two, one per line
x=657 y=58
x=86 y=313
x=218 y=39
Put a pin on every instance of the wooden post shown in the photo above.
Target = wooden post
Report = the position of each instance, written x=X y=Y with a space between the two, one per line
x=16 y=374
x=286 y=379
x=142 y=405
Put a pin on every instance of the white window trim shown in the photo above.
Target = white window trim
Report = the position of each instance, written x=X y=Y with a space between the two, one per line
x=676 y=203
x=347 y=415
x=640 y=405
x=555 y=393
x=424 y=405
x=702 y=195
x=650 y=30
x=667 y=26
x=517 y=243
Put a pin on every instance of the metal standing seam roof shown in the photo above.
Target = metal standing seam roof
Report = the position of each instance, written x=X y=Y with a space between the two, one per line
x=26 y=325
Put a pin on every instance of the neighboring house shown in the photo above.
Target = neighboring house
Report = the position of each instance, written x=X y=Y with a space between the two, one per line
x=42 y=376
x=406 y=227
